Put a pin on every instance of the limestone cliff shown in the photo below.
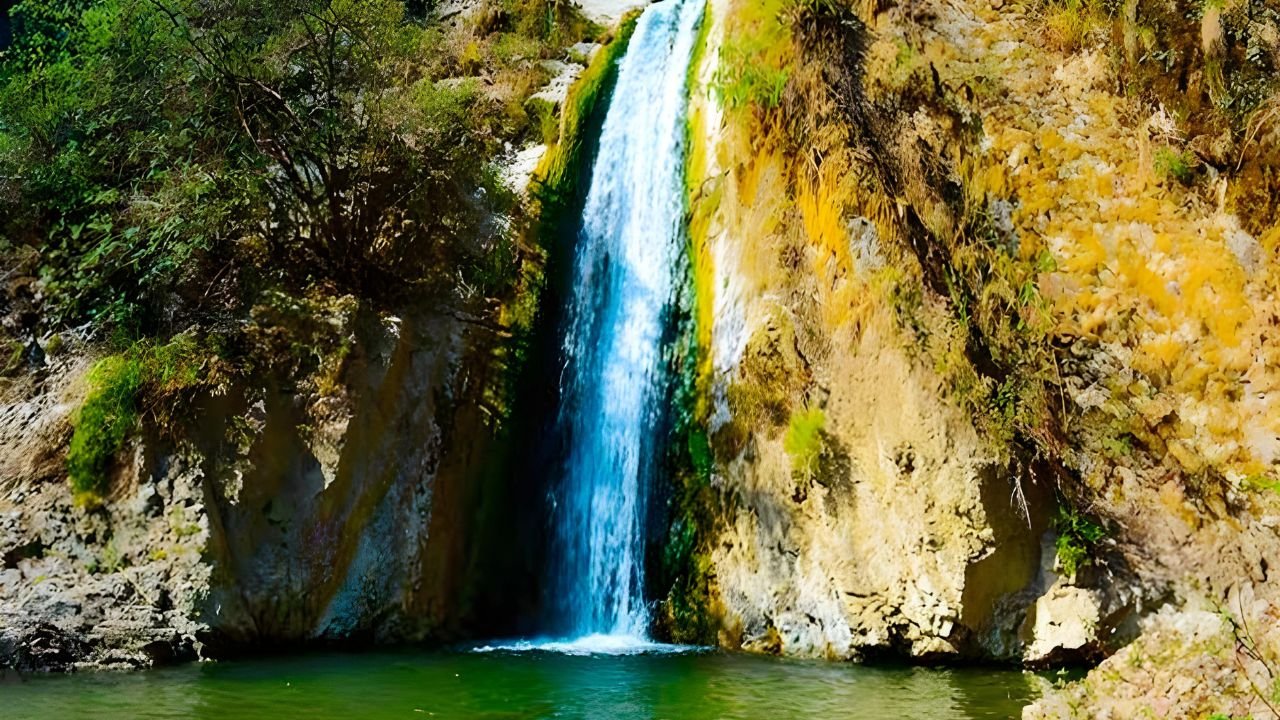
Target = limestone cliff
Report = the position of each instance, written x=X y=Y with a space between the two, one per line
x=984 y=307
x=909 y=534
x=885 y=253
x=989 y=344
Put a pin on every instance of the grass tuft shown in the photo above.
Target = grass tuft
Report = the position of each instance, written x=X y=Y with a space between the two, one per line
x=114 y=405
x=804 y=441
x=1170 y=163
x=105 y=421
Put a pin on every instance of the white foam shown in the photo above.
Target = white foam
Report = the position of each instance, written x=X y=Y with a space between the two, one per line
x=595 y=644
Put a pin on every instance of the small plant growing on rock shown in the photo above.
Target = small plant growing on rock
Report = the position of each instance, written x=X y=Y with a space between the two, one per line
x=1170 y=163
x=804 y=441
x=104 y=422
x=1068 y=23
x=113 y=406
x=1262 y=483
x=1077 y=538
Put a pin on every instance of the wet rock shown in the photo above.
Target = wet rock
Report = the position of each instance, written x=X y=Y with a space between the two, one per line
x=39 y=647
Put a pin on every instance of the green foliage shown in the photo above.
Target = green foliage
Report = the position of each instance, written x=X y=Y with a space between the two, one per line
x=805 y=440
x=113 y=406
x=40 y=29
x=108 y=416
x=544 y=115
x=754 y=68
x=1235 y=59
x=1263 y=483
x=1078 y=537
x=553 y=21
x=993 y=347
x=169 y=158
x=1170 y=163
x=1118 y=447
x=742 y=80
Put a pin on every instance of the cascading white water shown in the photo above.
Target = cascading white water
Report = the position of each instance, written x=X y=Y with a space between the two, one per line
x=628 y=265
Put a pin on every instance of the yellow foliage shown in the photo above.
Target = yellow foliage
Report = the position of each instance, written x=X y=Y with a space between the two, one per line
x=1270 y=240
x=823 y=215
x=1166 y=349
x=1143 y=268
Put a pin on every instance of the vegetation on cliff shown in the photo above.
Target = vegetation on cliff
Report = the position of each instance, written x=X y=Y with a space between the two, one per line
x=118 y=384
x=1010 y=240
x=172 y=169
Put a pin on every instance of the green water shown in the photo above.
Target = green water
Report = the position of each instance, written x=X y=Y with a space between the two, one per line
x=520 y=685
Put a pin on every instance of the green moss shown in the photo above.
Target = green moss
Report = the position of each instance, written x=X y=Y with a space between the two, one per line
x=805 y=440
x=553 y=188
x=105 y=421
x=690 y=615
x=555 y=177
x=113 y=405
x=686 y=557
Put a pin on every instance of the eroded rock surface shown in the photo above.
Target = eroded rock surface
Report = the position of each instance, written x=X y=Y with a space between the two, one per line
x=283 y=518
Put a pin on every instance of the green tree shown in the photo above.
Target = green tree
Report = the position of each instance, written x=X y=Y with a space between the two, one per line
x=152 y=148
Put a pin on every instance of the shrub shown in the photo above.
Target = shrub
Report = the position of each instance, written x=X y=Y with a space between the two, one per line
x=1170 y=163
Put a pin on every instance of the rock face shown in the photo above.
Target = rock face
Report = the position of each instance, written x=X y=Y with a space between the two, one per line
x=911 y=535
x=951 y=136
x=904 y=546
x=351 y=530
x=909 y=532
x=1188 y=662
x=122 y=586
x=284 y=518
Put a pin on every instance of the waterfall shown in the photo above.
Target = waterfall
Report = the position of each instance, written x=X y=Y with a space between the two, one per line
x=628 y=265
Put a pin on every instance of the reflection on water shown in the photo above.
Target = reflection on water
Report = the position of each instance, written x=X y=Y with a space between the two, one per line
x=498 y=684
